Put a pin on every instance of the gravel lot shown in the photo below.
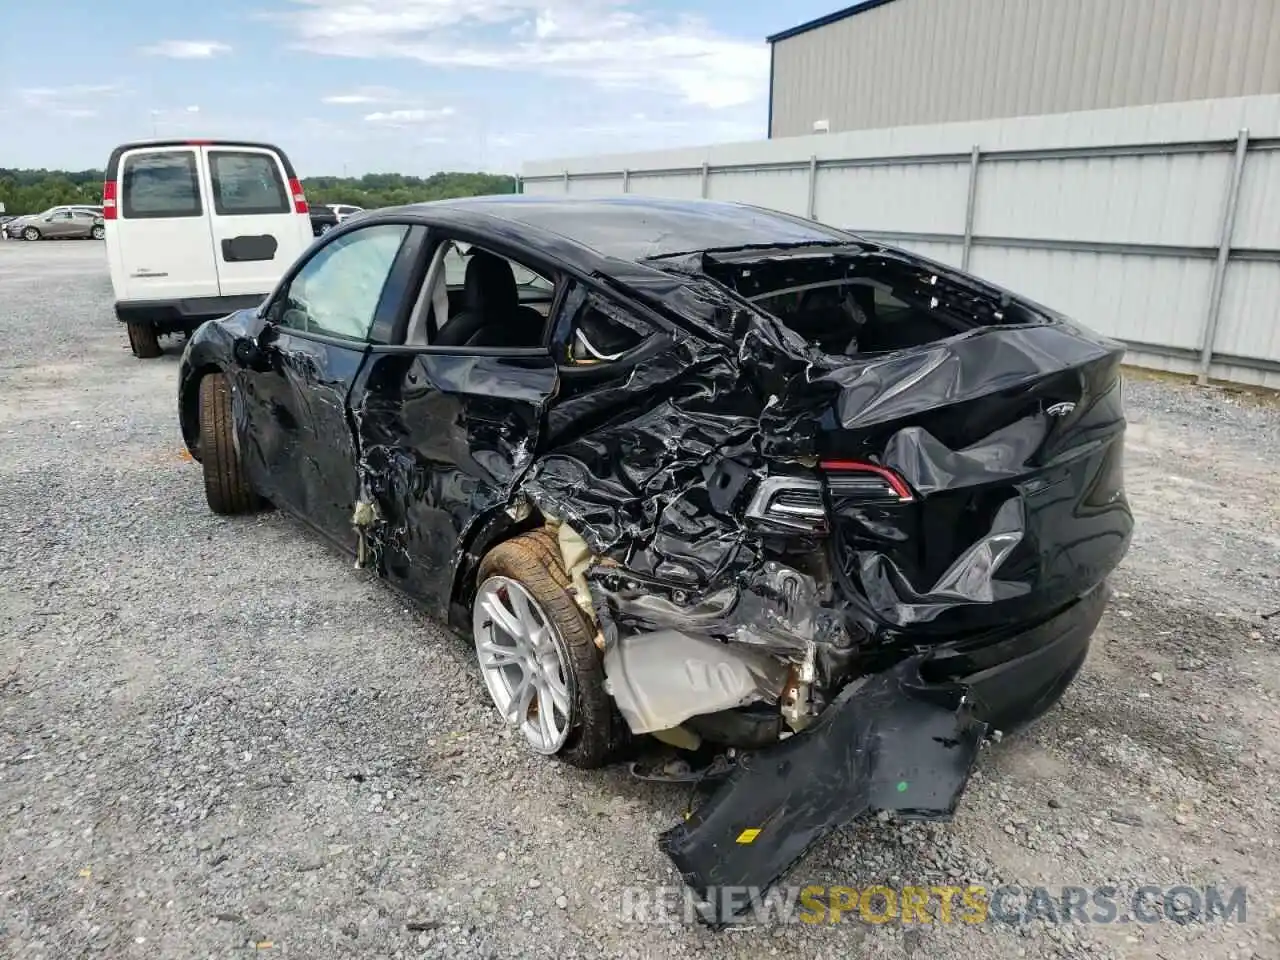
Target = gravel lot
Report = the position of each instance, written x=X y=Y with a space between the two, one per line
x=215 y=736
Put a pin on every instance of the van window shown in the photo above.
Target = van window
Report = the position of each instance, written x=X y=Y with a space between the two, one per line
x=246 y=184
x=160 y=185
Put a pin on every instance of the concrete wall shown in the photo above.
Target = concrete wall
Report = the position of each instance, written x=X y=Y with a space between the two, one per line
x=939 y=61
x=1115 y=217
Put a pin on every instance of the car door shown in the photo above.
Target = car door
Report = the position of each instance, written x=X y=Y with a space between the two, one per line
x=444 y=434
x=59 y=224
x=81 y=226
x=256 y=227
x=295 y=438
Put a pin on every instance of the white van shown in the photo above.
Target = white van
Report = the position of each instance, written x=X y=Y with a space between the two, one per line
x=197 y=229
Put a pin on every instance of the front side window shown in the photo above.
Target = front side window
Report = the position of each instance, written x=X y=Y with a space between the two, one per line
x=336 y=292
x=160 y=185
x=246 y=183
x=60 y=215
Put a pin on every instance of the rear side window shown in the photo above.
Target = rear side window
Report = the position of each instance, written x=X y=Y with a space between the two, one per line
x=602 y=332
x=246 y=184
x=160 y=185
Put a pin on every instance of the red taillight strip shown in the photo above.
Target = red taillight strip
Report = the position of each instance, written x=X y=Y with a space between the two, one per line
x=109 y=200
x=898 y=485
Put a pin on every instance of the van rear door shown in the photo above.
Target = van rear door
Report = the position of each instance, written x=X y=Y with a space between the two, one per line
x=259 y=226
x=158 y=241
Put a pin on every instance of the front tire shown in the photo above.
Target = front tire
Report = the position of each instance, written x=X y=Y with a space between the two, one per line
x=143 y=340
x=226 y=487
x=30 y=233
x=538 y=655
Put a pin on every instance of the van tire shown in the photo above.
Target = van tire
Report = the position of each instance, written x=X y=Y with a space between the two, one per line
x=226 y=487
x=143 y=340
x=30 y=233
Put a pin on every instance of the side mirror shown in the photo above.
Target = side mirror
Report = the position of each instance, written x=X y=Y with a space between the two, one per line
x=255 y=352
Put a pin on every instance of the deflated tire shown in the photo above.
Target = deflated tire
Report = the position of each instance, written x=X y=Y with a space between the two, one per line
x=538 y=656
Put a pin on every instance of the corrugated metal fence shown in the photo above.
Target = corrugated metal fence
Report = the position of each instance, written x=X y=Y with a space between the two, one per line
x=1159 y=226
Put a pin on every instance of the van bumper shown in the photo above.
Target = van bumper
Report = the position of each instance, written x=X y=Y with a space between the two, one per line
x=184 y=315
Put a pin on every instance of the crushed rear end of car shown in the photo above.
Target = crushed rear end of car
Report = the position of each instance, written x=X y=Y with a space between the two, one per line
x=861 y=515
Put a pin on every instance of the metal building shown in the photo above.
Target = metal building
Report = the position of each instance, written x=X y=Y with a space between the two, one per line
x=892 y=63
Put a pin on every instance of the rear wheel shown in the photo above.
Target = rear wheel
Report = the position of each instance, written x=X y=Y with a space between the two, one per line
x=225 y=485
x=143 y=340
x=30 y=233
x=98 y=233
x=538 y=655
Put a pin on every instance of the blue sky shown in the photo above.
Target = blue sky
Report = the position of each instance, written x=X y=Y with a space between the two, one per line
x=411 y=86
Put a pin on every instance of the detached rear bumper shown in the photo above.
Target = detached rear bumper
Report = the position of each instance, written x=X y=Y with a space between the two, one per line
x=890 y=742
x=902 y=740
x=182 y=315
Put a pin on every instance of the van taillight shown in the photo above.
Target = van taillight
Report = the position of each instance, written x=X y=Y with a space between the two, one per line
x=109 y=200
x=299 y=198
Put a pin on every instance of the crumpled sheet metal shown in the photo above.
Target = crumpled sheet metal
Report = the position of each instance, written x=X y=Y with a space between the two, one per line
x=891 y=742
x=643 y=483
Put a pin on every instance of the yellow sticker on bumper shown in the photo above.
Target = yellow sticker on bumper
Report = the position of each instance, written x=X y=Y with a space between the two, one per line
x=749 y=835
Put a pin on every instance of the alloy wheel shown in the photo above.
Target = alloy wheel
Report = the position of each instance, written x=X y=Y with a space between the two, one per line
x=524 y=663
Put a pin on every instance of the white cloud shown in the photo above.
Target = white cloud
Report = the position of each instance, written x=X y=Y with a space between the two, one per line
x=363 y=95
x=416 y=115
x=77 y=102
x=65 y=96
x=605 y=42
x=187 y=49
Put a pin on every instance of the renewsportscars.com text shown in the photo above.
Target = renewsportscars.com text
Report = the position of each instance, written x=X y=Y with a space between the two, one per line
x=937 y=904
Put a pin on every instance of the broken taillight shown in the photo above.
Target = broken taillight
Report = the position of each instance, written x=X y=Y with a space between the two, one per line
x=795 y=503
x=791 y=503
x=858 y=480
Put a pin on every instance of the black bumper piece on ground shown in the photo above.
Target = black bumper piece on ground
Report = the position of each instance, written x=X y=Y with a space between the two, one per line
x=903 y=740
x=184 y=315
x=889 y=743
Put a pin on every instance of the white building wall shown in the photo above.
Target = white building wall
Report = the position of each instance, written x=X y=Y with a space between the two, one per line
x=1114 y=217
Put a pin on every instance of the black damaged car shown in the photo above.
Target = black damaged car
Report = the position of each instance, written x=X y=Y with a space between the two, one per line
x=755 y=487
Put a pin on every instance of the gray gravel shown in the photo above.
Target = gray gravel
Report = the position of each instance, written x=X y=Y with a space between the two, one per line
x=216 y=736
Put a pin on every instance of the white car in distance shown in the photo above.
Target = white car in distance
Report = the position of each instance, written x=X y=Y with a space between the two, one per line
x=344 y=210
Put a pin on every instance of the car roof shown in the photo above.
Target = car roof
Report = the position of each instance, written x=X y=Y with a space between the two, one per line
x=590 y=230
